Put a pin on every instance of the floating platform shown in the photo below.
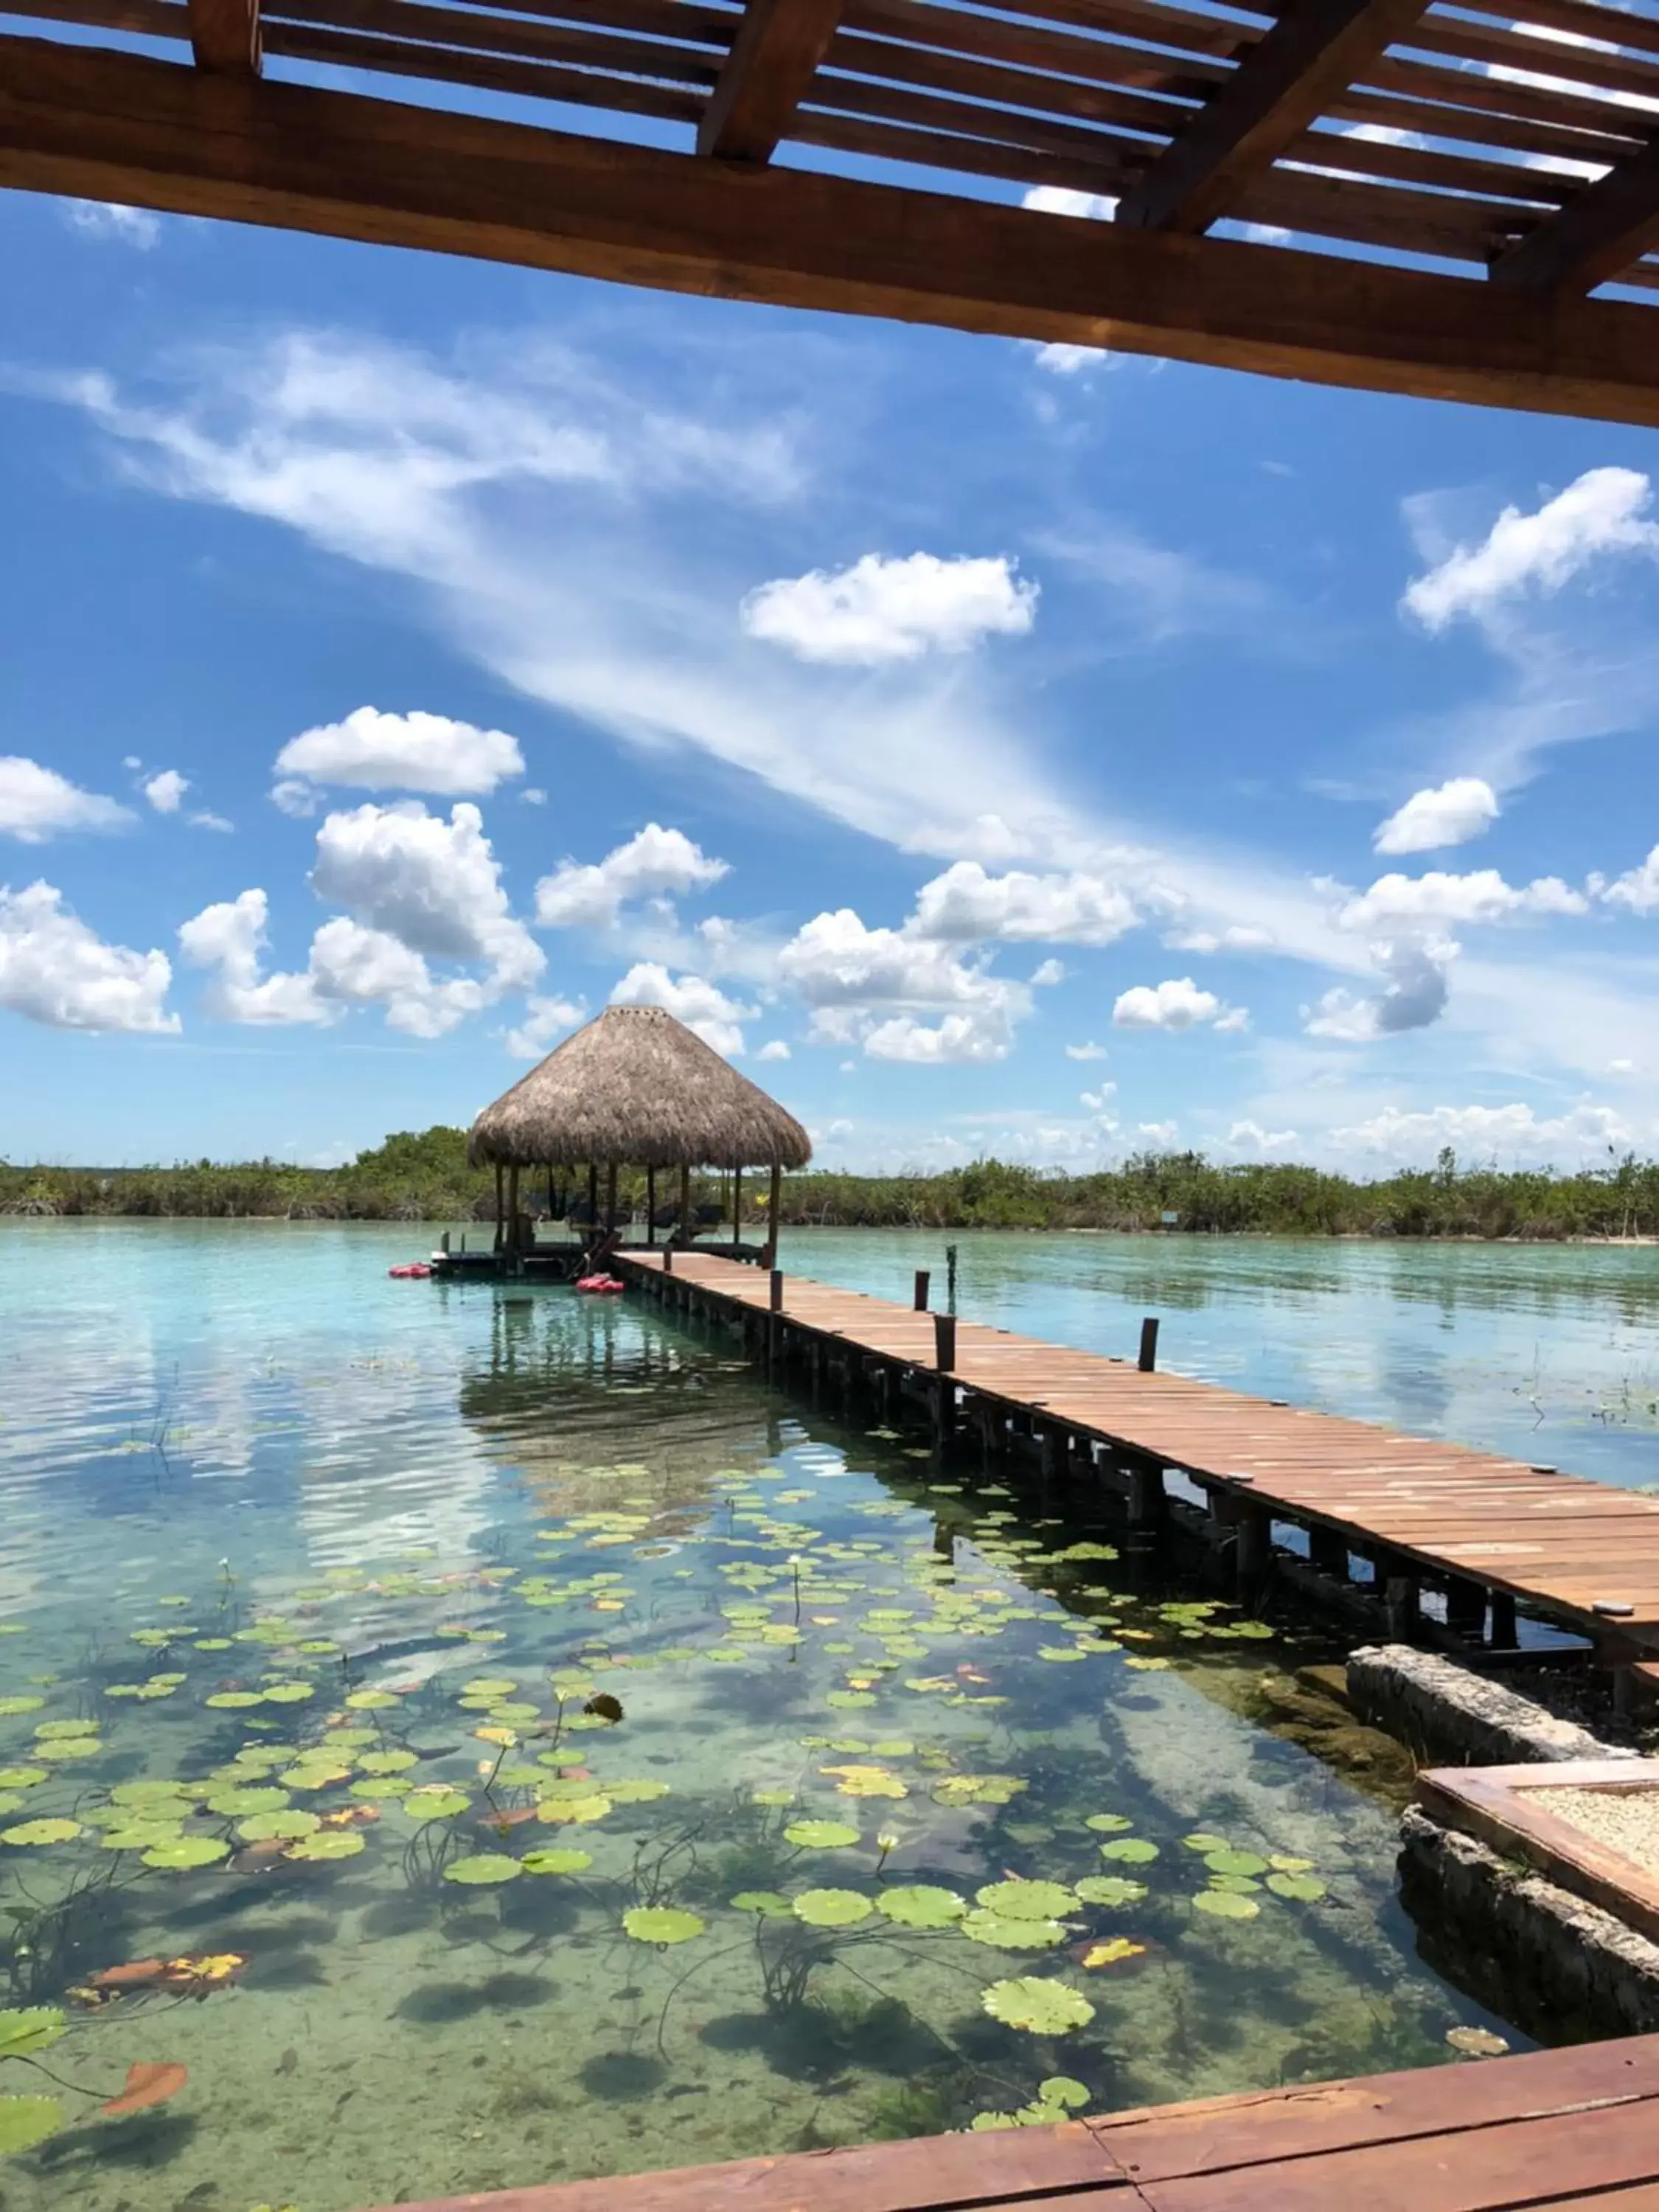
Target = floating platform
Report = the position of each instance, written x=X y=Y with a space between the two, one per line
x=1486 y=1531
x=1550 y=2131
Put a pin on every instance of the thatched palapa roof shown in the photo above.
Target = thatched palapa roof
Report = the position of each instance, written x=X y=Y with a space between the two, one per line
x=636 y=1088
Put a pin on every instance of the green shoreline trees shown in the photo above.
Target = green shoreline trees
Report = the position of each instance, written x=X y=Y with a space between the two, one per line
x=423 y=1176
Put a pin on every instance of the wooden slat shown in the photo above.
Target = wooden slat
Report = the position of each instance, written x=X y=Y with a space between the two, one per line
x=123 y=127
x=1027 y=45
x=1112 y=153
x=416 y=21
x=1602 y=229
x=224 y=36
x=878 y=141
x=773 y=60
x=437 y=64
x=995 y=82
x=1512 y=48
x=1277 y=92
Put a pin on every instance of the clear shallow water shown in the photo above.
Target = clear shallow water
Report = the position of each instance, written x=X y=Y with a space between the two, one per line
x=1508 y=1348
x=286 y=1535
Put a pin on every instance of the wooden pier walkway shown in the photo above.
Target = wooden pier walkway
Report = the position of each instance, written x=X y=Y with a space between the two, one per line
x=1487 y=1531
x=1554 y=2129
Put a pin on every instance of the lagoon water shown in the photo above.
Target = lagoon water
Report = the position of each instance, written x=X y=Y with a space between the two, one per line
x=920 y=1800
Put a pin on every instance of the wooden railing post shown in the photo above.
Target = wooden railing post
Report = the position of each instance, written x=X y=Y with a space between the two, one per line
x=1149 y=1344
x=920 y=1295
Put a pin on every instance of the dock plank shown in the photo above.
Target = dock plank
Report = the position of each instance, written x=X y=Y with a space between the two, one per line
x=1556 y=1541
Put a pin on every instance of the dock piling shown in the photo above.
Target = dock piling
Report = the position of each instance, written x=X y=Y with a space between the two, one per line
x=920 y=1301
x=1149 y=1344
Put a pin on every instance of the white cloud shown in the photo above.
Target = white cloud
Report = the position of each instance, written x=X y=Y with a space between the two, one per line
x=297 y=800
x=1602 y=512
x=545 y=1021
x=1090 y=1051
x=109 y=219
x=965 y=904
x=1238 y=938
x=36 y=803
x=1158 y=1133
x=533 y=795
x=202 y=819
x=1060 y=199
x=1047 y=974
x=228 y=938
x=1450 y=814
x=1096 y=1100
x=980 y=1036
x=1236 y=1019
x=360 y=965
x=775 y=1048
x=435 y=885
x=1176 y=1004
x=655 y=861
x=881 y=610
x=1637 y=890
x=1514 y=1134
x=1059 y=358
x=1413 y=996
x=1440 y=900
x=1250 y=1136
x=54 y=969
x=692 y=1000
x=417 y=752
x=165 y=790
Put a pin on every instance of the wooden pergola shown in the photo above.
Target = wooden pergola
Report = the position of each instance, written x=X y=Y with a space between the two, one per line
x=1434 y=192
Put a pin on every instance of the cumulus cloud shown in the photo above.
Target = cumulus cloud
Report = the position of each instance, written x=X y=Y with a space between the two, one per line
x=545 y=1021
x=966 y=903
x=1251 y=1137
x=371 y=750
x=656 y=862
x=1047 y=974
x=1060 y=199
x=1237 y=937
x=980 y=1036
x=1513 y=1134
x=1637 y=890
x=359 y=965
x=1439 y=900
x=774 y=1049
x=1603 y=512
x=700 y=1005
x=863 y=982
x=1060 y=359
x=881 y=610
x=109 y=219
x=165 y=790
x=1161 y=1134
x=1450 y=814
x=1414 y=995
x=434 y=885
x=1089 y=1051
x=36 y=803
x=55 y=970
x=228 y=938
x=1176 y=1004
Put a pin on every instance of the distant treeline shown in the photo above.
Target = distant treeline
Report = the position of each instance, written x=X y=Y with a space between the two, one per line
x=425 y=1177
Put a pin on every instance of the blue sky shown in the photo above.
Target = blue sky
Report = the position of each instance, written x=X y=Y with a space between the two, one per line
x=1002 y=750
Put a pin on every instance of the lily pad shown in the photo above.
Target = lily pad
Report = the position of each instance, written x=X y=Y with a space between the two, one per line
x=370 y=1701
x=25 y=2121
x=238 y=1804
x=386 y=1762
x=1006 y=1934
x=1114 y=1952
x=1304 y=1888
x=1027 y=1901
x=1230 y=1862
x=1130 y=1850
x=1226 y=1904
x=1038 y=2007
x=180 y=1852
x=1110 y=1889
x=831 y=1908
x=434 y=1801
x=22 y=1777
x=820 y=1835
x=34 y=2029
x=482 y=1868
x=21 y=1705
x=922 y=1905
x=327 y=1844
x=286 y=1826
x=557 y=1862
x=580 y=1810
x=1203 y=1841
x=661 y=1923
x=41 y=1831
x=1108 y=1824
x=635 y=1793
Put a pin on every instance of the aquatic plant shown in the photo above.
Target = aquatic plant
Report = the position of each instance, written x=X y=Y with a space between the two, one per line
x=661 y=1923
x=1037 y=2007
x=831 y=1908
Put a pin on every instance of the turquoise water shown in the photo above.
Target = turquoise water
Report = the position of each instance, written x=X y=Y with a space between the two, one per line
x=919 y=1799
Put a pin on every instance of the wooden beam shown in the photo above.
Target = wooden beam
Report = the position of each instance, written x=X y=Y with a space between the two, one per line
x=1603 y=228
x=1285 y=80
x=765 y=77
x=224 y=36
x=100 y=126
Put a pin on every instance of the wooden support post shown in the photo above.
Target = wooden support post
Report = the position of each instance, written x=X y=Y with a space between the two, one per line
x=668 y=1257
x=767 y=74
x=1147 y=1496
x=501 y=1203
x=651 y=1205
x=512 y=1214
x=610 y=1199
x=592 y=1195
x=1148 y=1360
x=944 y=1342
x=1253 y=1556
x=775 y=1291
x=1052 y=1451
x=1466 y=1607
x=737 y=1205
x=1505 y=1630
x=773 y=1207
x=224 y=36
x=1400 y=1596
x=919 y=1300
x=1328 y=1550
x=684 y=1232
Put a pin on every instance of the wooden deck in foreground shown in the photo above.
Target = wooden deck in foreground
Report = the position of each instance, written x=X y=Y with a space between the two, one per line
x=1486 y=1530
x=1554 y=2129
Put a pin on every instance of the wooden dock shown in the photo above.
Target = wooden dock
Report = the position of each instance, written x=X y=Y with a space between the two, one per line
x=1486 y=1531
x=1555 y=2129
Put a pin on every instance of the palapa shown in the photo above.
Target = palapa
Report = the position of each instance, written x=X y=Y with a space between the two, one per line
x=635 y=1087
